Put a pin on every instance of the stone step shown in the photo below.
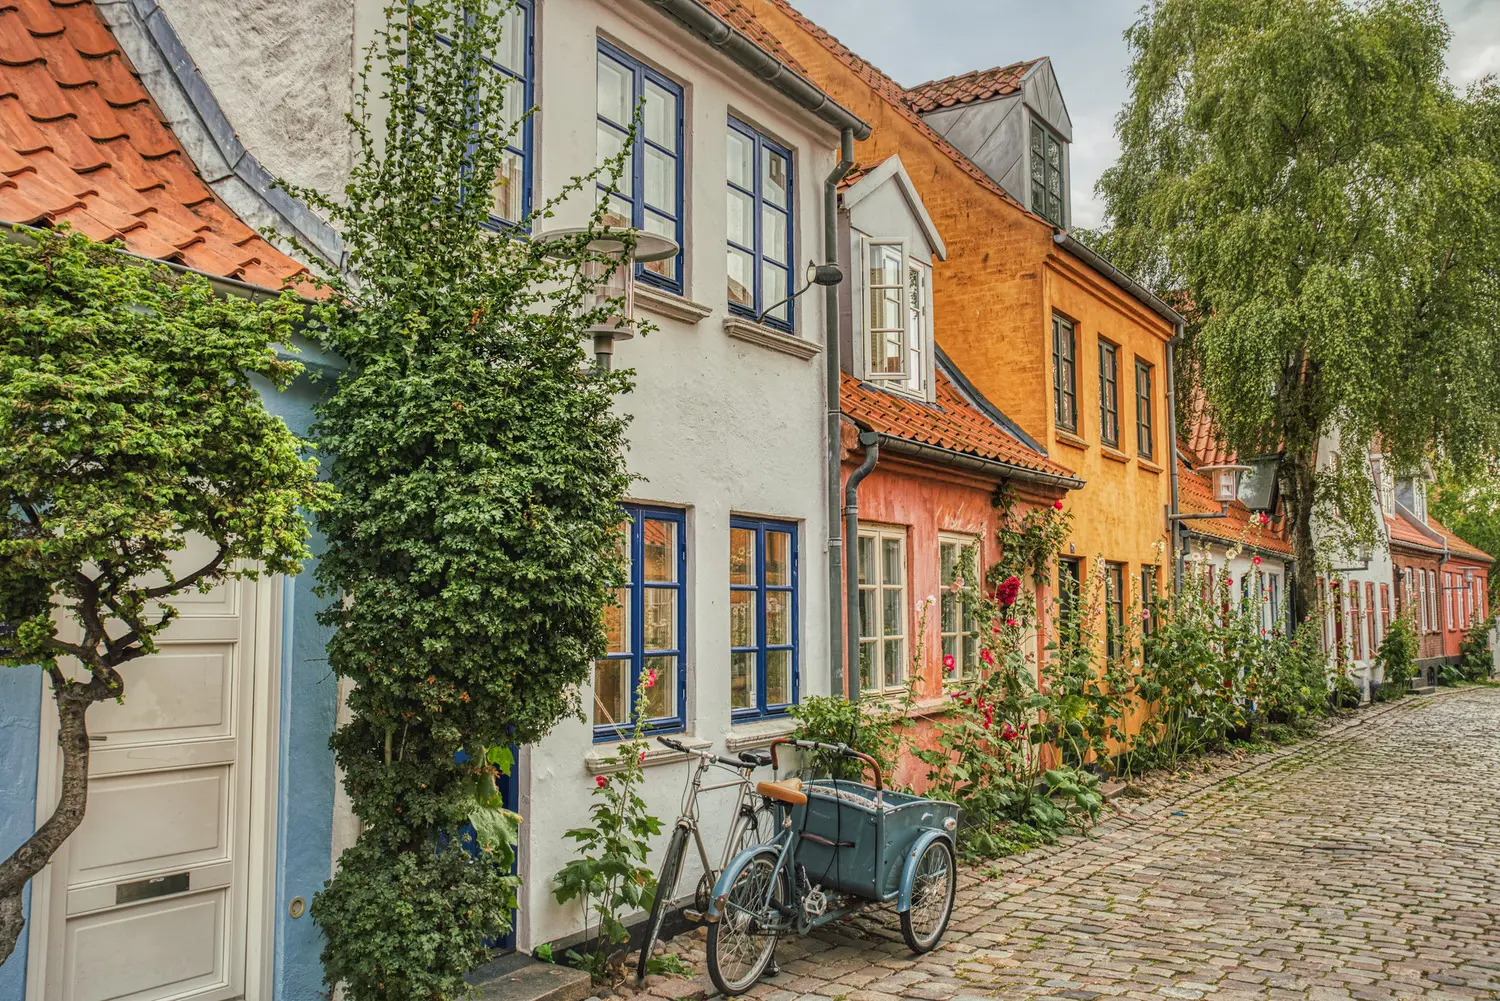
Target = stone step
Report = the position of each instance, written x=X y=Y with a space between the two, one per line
x=520 y=978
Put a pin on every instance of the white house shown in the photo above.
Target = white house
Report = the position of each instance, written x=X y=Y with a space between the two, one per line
x=729 y=434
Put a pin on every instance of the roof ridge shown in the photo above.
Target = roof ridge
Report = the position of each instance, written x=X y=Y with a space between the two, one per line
x=1028 y=63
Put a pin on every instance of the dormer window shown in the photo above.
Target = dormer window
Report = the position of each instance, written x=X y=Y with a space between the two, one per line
x=1047 y=195
x=898 y=317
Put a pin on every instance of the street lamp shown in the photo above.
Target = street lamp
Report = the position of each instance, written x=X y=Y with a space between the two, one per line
x=1226 y=484
x=817 y=274
x=613 y=254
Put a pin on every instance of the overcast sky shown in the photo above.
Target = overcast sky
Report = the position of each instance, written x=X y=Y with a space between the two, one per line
x=919 y=40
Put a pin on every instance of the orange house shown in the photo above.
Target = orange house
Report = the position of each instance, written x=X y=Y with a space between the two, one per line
x=1069 y=348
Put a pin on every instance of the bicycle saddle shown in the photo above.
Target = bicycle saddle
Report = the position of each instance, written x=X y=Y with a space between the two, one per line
x=787 y=791
x=757 y=758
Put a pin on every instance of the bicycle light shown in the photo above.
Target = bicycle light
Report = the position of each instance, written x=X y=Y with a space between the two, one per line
x=951 y=824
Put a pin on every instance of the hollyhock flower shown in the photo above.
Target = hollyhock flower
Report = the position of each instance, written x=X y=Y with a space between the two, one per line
x=1011 y=623
x=1265 y=519
x=1008 y=590
x=1058 y=504
x=1007 y=733
x=651 y=678
x=932 y=599
x=987 y=657
x=601 y=781
x=948 y=662
x=642 y=760
x=1255 y=560
x=958 y=583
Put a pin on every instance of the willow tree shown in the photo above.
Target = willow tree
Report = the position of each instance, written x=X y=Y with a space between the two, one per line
x=1302 y=177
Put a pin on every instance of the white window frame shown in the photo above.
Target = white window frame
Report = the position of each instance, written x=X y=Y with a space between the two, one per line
x=874 y=633
x=1421 y=596
x=964 y=641
x=871 y=246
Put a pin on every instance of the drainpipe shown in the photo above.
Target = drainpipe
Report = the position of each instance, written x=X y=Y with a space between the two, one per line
x=871 y=443
x=1173 y=522
x=831 y=392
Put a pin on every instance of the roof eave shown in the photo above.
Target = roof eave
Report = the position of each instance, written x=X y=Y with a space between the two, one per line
x=973 y=463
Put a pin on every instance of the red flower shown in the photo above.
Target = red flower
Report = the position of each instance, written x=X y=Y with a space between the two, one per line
x=601 y=781
x=1011 y=623
x=948 y=662
x=1008 y=590
x=1255 y=560
x=1008 y=733
x=987 y=657
x=1057 y=504
x=1265 y=519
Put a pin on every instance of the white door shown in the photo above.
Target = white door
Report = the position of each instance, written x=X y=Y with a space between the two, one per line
x=148 y=899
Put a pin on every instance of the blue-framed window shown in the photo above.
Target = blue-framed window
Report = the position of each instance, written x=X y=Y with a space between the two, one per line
x=760 y=224
x=645 y=628
x=649 y=195
x=763 y=627
x=515 y=65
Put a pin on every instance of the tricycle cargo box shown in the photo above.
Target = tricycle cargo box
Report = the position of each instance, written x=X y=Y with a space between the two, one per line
x=858 y=836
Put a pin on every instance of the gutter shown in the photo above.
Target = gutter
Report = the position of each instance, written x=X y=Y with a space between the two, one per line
x=734 y=43
x=1067 y=242
x=973 y=463
x=831 y=374
x=1179 y=553
x=871 y=443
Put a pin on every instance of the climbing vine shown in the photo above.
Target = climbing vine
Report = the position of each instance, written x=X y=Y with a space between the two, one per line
x=479 y=464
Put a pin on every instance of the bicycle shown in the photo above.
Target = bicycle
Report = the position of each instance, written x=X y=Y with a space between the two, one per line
x=870 y=846
x=752 y=824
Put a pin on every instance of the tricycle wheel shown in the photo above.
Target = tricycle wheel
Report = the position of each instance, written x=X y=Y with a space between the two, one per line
x=934 y=882
x=741 y=943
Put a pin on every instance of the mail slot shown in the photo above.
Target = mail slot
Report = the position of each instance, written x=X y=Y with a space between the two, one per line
x=145 y=889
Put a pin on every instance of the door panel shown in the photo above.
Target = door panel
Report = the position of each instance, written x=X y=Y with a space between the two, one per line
x=159 y=820
x=184 y=935
x=187 y=692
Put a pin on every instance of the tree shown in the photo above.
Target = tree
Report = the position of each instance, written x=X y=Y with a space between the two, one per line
x=1470 y=507
x=480 y=469
x=128 y=421
x=1300 y=176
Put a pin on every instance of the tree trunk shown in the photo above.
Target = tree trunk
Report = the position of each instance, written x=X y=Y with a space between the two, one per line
x=1299 y=468
x=32 y=856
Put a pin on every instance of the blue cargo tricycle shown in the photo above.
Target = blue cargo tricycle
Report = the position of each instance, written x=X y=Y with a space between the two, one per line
x=841 y=845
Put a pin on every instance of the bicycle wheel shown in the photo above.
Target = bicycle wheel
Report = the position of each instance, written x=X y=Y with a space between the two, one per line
x=754 y=826
x=742 y=942
x=666 y=888
x=933 y=886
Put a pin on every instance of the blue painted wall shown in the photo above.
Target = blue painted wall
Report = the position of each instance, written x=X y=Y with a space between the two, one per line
x=20 y=721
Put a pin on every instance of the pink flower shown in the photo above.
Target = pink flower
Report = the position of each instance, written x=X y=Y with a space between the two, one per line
x=1006 y=593
x=1008 y=733
x=1011 y=623
x=1058 y=504
x=987 y=657
x=601 y=781
x=958 y=583
x=948 y=662
x=651 y=678
x=642 y=760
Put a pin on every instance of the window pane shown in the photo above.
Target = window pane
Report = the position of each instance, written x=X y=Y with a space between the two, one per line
x=742 y=681
x=742 y=556
x=611 y=142
x=662 y=227
x=506 y=197
x=773 y=289
x=947 y=562
x=890 y=565
x=778 y=558
x=866 y=559
x=611 y=689
x=512 y=50
x=778 y=677
x=741 y=618
x=659 y=551
x=741 y=218
x=778 y=618
x=615 y=86
x=892 y=619
x=740 y=267
x=741 y=155
x=773 y=184
x=885 y=264
x=660 y=125
x=660 y=627
x=867 y=666
x=885 y=309
x=894 y=659
x=661 y=181
x=773 y=234
x=661 y=698
x=617 y=622
x=949 y=614
x=618 y=212
x=868 y=621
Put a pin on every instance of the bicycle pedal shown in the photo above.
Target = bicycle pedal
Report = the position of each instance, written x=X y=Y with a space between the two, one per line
x=692 y=914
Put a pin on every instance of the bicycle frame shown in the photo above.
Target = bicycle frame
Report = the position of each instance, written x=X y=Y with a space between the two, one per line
x=688 y=817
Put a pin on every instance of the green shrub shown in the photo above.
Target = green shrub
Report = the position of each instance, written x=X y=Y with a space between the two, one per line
x=1397 y=659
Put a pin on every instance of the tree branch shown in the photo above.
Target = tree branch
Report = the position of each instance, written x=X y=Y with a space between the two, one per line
x=172 y=587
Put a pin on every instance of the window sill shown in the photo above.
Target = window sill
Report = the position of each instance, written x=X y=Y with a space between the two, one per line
x=755 y=333
x=1069 y=438
x=759 y=733
x=1113 y=454
x=669 y=304
x=1148 y=465
x=601 y=762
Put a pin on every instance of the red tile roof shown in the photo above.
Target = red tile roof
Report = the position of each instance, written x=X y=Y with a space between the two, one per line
x=858 y=172
x=81 y=142
x=976 y=85
x=743 y=18
x=1196 y=496
x=1404 y=532
x=1205 y=447
x=1456 y=546
x=953 y=422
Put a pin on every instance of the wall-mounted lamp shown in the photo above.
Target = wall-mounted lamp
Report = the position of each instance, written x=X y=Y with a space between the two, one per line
x=817 y=274
x=1226 y=484
x=613 y=254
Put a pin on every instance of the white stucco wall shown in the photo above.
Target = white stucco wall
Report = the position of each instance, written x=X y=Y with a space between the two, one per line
x=1243 y=562
x=282 y=72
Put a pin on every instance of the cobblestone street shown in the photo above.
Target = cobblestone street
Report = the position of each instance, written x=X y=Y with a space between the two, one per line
x=1362 y=864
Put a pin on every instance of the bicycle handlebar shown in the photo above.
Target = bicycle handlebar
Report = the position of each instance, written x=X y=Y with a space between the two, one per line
x=842 y=750
x=682 y=748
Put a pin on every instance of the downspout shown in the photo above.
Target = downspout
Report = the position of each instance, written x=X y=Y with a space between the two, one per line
x=831 y=393
x=1178 y=530
x=871 y=442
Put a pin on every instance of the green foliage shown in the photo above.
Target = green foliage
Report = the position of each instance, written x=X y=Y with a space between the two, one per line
x=610 y=876
x=1396 y=659
x=871 y=726
x=130 y=421
x=1301 y=175
x=480 y=470
x=1475 y=662
x=1470 y=507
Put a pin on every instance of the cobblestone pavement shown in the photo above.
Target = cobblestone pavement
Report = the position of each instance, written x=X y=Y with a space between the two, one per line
x=1362 y=864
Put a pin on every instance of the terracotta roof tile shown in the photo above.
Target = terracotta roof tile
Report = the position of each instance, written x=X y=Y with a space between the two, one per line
x=1404 y=532
x=858 y=171
x=742 y=18
x=976 y=85
x=81 y=142
x=1457 y=546
x=952 y=423
x=1204 y=442
x=1196 y=496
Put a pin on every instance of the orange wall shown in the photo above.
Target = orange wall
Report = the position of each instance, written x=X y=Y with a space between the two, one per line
x=1456 y=565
